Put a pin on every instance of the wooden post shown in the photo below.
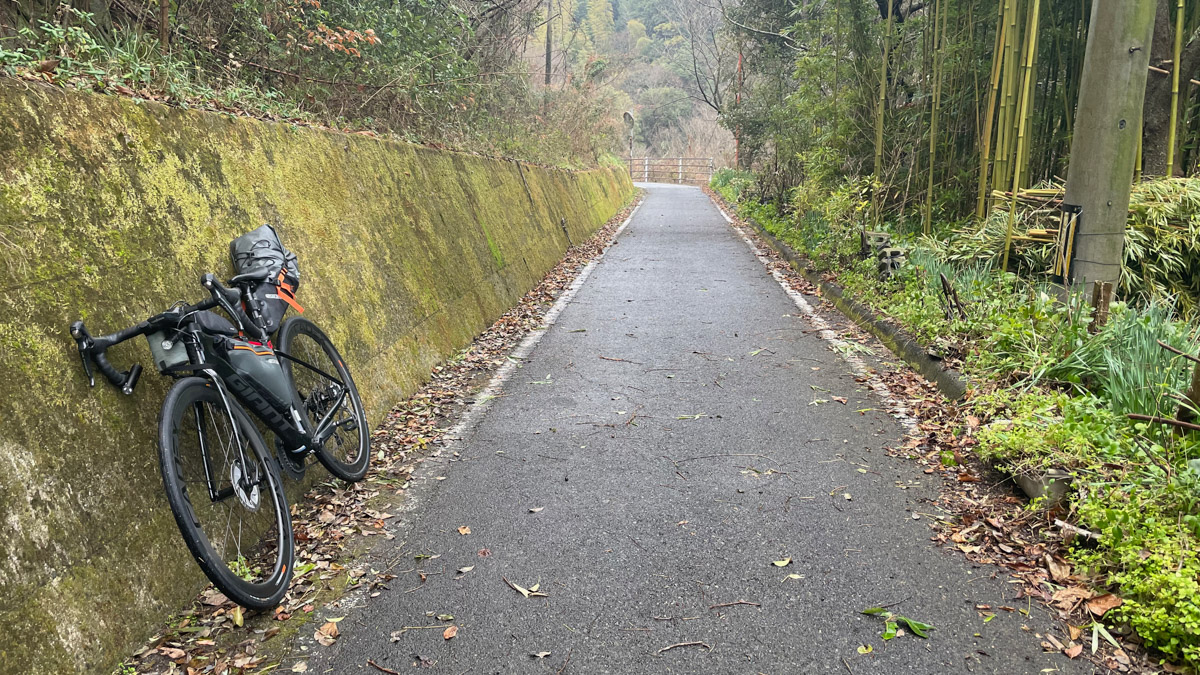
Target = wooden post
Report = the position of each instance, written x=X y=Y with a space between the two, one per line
x=680 y=179
x=1102 y=292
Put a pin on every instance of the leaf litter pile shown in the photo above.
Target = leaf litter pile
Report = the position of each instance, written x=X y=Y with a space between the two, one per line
x=982 y=515
x=335 y=523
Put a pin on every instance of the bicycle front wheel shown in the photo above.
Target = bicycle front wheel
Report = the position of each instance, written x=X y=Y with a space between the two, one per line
x=328 y=397
x=226 y=494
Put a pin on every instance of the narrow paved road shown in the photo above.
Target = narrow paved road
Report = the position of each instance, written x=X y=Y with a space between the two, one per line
x=669 y=433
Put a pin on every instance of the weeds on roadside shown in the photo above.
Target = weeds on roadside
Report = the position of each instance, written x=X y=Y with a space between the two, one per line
x=1053 y=395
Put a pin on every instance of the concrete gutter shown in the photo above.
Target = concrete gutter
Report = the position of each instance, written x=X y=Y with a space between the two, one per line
x=949 y=382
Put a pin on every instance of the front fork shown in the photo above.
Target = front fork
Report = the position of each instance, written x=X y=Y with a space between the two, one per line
x=209 y=475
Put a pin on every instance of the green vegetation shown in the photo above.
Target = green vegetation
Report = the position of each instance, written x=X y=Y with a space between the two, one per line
x=1048 y=394
x=449 y=73
x=949 y=125
x=460 y=73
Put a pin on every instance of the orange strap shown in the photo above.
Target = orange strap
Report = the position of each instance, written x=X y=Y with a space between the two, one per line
x=285 y=291
x=285 y=294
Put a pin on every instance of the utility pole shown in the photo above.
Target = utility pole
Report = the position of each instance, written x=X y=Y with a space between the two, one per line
x=1108 y=118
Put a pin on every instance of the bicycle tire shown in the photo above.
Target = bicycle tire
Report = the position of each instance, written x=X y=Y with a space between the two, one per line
x=196 y=440
x=302 y=339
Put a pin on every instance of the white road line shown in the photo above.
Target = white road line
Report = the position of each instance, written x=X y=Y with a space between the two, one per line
x=502 y=375
x=843 y=348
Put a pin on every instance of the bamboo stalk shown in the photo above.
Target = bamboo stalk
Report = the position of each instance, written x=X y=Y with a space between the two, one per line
x=1026 y=120
x=1175 y=68
x=1004 y=142
x=939 y=49
x=986 y=138
x=1031 y=41
x=883 y=70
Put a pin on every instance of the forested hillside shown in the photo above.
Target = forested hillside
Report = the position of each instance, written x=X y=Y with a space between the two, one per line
x=465 y=74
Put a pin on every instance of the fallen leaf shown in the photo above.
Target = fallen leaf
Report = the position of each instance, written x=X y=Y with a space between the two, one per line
x=782 y=563
x=1073 y=652
x=172 y=653
x=236 y=615
x=301 y=667
x=464 y=570
x=967 y=478
x=464 y=530
x=1067 y=598
x=326 y=634
x=214 y=599
x=445 y=617
x=540 y=655
x=792 y=576
x=450 y=632
x=1100 y=605
x=865 y=649
x=840 y=399
x=1074 y=631
x=1059 y=571
x=537 y=510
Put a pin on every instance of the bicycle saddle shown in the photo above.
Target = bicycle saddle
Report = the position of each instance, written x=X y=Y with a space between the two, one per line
x=248 y=277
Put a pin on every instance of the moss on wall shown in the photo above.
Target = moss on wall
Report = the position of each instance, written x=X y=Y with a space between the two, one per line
x=110 y=210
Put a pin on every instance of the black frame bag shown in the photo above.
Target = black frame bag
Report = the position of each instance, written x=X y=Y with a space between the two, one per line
x=259 y=250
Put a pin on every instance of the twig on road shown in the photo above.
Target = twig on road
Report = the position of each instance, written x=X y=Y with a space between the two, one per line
x=609 y=358
x=635 y=542
x=688 y=459
x=378 y=667
x=685 y=644
x=564 y=665
x=739 y=602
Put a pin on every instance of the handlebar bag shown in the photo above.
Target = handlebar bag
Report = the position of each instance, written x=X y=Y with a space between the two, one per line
x=259 y=250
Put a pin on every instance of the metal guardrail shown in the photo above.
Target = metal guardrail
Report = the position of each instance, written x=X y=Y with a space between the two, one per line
x=681 y=170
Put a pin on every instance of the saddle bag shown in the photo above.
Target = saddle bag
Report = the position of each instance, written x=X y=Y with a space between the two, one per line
x=260 y=250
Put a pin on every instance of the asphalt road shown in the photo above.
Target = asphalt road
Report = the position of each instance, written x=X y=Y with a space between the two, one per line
x=678 y=433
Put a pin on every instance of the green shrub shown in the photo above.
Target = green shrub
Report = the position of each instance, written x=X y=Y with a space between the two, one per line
x=1149 y=552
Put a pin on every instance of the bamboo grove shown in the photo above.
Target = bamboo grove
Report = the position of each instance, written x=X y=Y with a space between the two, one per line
x=953 y=119
x=945 y=102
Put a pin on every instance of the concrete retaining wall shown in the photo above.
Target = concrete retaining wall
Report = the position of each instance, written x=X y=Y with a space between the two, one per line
x=110 y=210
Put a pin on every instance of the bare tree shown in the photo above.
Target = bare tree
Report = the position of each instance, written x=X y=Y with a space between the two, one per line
x=709 y=59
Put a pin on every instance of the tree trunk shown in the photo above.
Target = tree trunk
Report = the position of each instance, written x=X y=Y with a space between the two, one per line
x=1107 y=120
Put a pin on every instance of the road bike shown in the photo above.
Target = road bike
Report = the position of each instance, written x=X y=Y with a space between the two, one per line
x=222 y=483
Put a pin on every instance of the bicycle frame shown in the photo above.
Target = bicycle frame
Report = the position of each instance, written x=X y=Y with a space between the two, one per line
x=283 y=417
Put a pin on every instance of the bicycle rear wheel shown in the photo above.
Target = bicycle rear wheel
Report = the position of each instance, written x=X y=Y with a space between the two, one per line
x=327 y=392
x=226 y=494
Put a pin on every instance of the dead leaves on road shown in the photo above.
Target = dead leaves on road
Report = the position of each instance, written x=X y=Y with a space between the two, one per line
x=531 y=592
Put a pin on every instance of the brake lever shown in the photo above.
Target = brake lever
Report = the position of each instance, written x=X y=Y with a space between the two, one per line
x=84 y=342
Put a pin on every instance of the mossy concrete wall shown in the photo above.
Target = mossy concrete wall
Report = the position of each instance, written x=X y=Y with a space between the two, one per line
x=110 y=210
